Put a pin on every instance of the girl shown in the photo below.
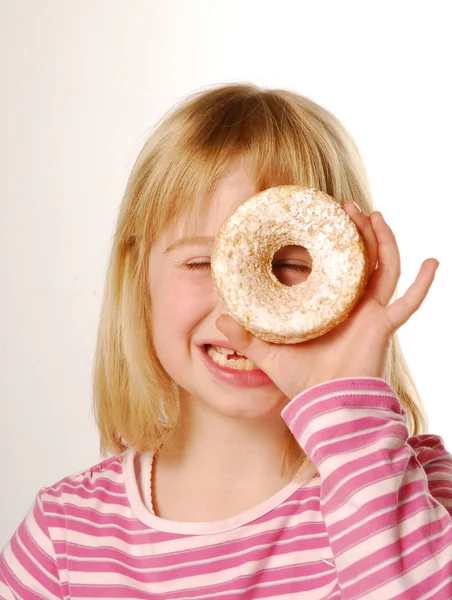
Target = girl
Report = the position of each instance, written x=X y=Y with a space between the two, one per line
x=299 y=471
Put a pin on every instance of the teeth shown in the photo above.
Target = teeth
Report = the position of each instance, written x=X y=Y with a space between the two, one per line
x=219 y=355
x=227 y=351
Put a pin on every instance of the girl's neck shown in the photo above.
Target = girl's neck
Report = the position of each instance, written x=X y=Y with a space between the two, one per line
x=219 y=466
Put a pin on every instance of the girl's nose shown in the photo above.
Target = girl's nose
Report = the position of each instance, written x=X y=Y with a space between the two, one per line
x=220 y=308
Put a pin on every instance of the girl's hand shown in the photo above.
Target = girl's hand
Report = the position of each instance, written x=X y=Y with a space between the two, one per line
x=357 y=347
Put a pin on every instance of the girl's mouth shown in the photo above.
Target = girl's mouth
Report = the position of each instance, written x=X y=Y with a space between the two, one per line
x=230 y=358
x=232 y=368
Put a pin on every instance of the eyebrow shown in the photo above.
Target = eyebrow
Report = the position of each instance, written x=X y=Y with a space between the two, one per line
x=190 y=241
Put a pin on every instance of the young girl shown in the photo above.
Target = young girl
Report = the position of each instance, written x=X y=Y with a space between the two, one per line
x=300 y=471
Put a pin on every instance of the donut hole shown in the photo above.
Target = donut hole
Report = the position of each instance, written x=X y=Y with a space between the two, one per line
x=292 y=265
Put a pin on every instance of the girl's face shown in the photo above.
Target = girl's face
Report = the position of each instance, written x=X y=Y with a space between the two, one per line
x=185 y=307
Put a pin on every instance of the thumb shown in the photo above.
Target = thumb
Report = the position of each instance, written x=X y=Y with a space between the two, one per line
x=257 y=350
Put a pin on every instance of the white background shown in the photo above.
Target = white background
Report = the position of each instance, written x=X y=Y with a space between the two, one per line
x=82 y=83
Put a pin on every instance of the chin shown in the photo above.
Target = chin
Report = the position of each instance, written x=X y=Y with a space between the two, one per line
x=250 y=404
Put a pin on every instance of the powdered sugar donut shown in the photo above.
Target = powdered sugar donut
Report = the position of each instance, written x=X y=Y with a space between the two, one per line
x=242 y=257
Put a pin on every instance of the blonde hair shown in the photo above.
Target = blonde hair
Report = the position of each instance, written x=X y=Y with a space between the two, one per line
x=282 y=138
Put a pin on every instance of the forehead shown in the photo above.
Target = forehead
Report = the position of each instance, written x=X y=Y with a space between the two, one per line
x=231 y=190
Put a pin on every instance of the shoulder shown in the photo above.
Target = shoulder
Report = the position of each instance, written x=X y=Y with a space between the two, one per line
x=74 y=510
x=436 y=463
x=429 y=446
x=431 y=452
x=107 y=469
x=90 y=487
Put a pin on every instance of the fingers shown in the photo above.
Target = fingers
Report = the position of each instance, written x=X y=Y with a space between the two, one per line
x=366 y=231
x=383 y=281
x=260 y=352
x=401 y=310
x=281 y=362
x=239 y=337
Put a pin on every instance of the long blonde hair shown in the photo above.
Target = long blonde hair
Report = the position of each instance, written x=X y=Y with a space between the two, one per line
x=282 y=138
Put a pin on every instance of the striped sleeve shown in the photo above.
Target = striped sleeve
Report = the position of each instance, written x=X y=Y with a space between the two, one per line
x=386 y=499
x=28 y=568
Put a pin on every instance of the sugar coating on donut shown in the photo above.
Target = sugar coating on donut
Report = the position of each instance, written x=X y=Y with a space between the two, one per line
x=242 y=257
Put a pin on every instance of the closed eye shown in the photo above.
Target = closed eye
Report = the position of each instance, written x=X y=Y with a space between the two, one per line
x=303 y=268
x=200 y=265
x=291 y=267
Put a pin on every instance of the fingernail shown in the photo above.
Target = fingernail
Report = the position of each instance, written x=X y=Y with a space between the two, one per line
x=356 y=206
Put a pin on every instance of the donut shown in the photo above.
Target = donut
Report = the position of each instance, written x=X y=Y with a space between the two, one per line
x=242 y=255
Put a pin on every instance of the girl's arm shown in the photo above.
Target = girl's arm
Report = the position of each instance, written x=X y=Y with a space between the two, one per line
x=28 y=567
x=386 y=499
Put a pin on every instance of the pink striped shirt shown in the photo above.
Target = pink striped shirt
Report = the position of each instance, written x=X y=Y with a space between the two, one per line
x=374 y=522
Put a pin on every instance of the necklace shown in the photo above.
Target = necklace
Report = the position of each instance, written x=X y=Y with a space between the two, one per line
x=150 y=485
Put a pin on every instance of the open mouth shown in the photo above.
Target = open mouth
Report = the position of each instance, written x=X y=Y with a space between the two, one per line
x=232 y=367
x=231 y=359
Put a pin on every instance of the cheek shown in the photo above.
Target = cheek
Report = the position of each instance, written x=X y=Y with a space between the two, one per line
x=179 y=301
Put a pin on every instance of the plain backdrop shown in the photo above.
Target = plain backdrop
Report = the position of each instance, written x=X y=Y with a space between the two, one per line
x=83 y=82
